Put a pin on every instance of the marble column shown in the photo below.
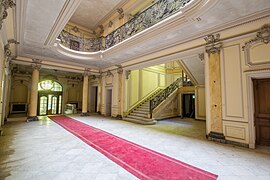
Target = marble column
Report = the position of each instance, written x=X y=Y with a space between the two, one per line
x=85 y=94
x=213 y=47
x=99 y=94
x=32 y=113
x=120 y=93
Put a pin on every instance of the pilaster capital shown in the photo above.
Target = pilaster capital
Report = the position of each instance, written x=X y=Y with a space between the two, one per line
x=109 y=73
x=119 y=69
x=213 y=44
x=127 y=74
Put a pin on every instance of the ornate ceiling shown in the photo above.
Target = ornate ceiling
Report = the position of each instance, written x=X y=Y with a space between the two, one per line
x=39 y=23
x=91 y=12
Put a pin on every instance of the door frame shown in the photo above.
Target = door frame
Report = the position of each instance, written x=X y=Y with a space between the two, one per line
x=259 y=74
x=106 y=98
x=182 y=102
x=40 y=94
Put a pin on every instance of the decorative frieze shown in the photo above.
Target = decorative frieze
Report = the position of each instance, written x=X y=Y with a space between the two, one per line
x=213 y=44
x=263 y=35
x=4 y=5
x=121 y=13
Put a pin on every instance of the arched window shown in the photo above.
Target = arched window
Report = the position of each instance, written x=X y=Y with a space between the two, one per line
x=49 y=85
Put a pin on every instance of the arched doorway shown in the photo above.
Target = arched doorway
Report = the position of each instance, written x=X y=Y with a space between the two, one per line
x=49 y=98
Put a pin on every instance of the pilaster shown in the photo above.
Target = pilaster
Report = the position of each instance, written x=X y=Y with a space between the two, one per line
x=120 y=93
x=213 y=47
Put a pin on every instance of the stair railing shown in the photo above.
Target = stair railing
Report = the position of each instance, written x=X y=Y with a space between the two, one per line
x=155 y=101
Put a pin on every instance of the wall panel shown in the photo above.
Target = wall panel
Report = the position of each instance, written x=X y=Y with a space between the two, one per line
x=232 y=98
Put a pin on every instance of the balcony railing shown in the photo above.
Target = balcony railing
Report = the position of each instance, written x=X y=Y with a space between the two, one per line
x=157 y=12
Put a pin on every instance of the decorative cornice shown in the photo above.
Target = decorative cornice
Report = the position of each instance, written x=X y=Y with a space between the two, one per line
x=263 y=35
x=213 y=44
x=4 y=5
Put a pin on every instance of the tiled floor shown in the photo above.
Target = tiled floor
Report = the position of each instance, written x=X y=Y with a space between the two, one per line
x=44 y=150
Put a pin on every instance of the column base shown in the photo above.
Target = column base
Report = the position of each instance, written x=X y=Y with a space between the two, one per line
x=119 y=117
x=84 y=114
x=31 y=118
x=215 y=136
x=99 y=112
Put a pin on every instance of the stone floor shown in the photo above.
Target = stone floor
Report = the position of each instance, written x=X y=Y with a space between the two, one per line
x=44 y=150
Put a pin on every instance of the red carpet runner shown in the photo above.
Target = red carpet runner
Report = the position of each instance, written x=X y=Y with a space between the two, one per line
x=140 y=161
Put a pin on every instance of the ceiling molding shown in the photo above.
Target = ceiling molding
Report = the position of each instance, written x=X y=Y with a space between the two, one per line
x=53 y=65
x=64 y=16
x=20 y=17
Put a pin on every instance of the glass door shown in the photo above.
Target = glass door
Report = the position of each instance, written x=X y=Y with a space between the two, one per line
x=50 y=104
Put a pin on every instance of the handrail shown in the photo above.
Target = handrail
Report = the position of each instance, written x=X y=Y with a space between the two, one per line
x=137 y=104
x=154 y=102
x=155 y=13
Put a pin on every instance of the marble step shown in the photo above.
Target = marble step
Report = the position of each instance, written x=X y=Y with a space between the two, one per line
x=143 y=108
x=141 y=111
x=139 y=114
x=139 y=121
x=138 y=117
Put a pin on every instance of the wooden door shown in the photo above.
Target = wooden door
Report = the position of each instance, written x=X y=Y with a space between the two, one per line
x=262 y=110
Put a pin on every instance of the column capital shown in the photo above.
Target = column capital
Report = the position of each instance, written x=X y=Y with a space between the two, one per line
x=119 y=69
x=87 y=72
x=127 y=73
x=36 y=64
x=213 y=44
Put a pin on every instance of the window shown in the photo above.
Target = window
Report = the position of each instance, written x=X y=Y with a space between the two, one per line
x=49 y=85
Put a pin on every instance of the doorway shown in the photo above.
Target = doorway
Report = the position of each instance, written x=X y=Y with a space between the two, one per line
x=262 y=110
x=49 y=98
x=108 y=102
x=93 y=98
x=188 y=105
x=50 y=104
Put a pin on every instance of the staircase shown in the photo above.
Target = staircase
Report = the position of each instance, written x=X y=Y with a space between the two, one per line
x=140 y=114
